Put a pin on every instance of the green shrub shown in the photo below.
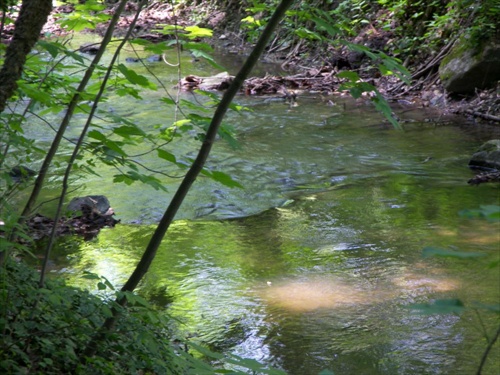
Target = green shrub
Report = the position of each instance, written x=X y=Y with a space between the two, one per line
x=44 y=331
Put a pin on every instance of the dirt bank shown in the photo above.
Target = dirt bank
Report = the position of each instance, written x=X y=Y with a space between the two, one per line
x=318 y=71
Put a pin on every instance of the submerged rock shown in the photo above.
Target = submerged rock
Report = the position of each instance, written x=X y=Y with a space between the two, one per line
x=488 y=156
x=21 y=173
x=90 y=48
x=469 y=68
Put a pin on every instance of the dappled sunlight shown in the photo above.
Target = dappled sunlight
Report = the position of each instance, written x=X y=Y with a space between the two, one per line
x=412 y=282
x=309 y=295
x=476 y=232
x=481 y=233
x=330 y=293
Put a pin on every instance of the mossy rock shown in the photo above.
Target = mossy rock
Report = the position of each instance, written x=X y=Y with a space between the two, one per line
x=488 y=156
x=467 y=68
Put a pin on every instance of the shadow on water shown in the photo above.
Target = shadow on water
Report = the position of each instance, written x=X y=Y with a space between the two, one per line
x=313 y=264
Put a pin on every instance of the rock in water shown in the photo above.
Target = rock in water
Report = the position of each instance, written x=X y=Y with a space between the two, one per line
x=97 y=203
x=488 y=156
x=21 y=173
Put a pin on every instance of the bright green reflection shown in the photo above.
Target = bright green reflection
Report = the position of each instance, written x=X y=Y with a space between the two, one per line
x=321 y=283
x=312 y=264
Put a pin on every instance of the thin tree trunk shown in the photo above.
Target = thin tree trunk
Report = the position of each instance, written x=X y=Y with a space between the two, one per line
x=77 y=148
x=487 y=352
x=155 y=241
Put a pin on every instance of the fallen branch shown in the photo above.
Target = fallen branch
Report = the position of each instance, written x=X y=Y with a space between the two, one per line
x=482 y=115
x=485 y=177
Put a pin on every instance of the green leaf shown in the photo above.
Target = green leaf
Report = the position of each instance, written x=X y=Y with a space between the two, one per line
x=123 y=178
x=196 y=107
x=439 y=306
x=168 y=101
x=383 y=106
x=127 y=131
x=90 y=6
x=166 y=156
x=206 y=352
x=356 y=92
x=434 y=251
x=135 y=78
x=351 y=76
x=97 y=135
x=227 y=133
x=141 y=301
x=224 y=179
x=106 y=311
x=90 y=276
x=132 y=176
x=201 y=121
x=198 y=32
x=307 y=34
x=250 y=20
x=206 y=56
x=114 y=147
x=108 y=283
x=77 y=24
x=74 y=55
x=50 y=47
x=34 y=93
x=198 y=46
x=393 y=66
x=329 y=27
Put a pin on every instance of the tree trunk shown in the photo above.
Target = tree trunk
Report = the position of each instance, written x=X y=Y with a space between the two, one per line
x=197 y=166
x=28 y=27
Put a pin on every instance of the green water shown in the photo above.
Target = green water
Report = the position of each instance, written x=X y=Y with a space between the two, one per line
x=314 y=263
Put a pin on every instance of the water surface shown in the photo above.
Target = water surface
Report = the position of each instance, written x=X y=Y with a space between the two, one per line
x=313 y=264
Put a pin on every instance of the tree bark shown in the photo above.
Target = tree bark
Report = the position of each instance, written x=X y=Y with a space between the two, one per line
x=54 y=147
x=200 y=160
x=28 y=26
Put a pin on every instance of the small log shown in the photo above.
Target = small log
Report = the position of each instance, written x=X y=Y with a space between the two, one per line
x=485 y=177
x=482 y=115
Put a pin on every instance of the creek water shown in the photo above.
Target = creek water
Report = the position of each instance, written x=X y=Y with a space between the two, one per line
x=316 y=262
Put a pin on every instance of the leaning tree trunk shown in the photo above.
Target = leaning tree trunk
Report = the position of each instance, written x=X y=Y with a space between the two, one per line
x=197 y=166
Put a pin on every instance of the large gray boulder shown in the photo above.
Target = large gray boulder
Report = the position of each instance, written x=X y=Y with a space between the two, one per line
x=488 y=156
x=468 y=68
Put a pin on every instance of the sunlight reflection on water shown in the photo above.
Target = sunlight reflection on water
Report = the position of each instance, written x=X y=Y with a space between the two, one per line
x=329 y=292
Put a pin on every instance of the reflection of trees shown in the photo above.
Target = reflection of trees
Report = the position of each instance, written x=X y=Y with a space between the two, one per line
x=261 y=243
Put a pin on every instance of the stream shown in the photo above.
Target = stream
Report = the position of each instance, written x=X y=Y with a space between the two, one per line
x=316 y=262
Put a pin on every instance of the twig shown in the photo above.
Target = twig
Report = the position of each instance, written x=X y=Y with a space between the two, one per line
x=482 y=115
x=487 y=351
x=435 y=61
